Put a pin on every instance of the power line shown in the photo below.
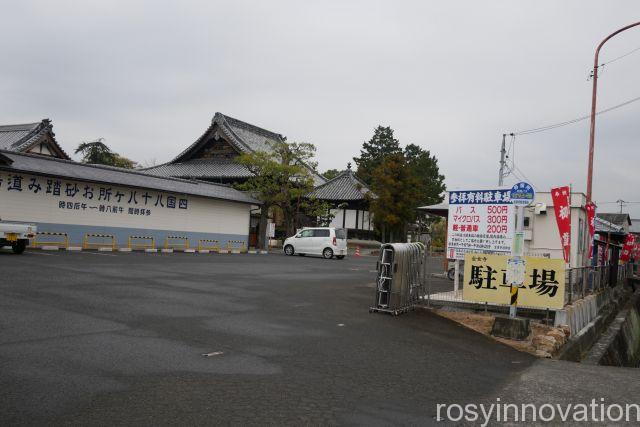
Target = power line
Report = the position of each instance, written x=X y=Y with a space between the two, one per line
x=576 y=120
x=620 y=57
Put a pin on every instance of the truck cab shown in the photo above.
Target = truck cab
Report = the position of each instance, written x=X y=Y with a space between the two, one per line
x=16 y=235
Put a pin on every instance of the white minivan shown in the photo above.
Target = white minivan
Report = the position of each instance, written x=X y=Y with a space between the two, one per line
x=325 y=241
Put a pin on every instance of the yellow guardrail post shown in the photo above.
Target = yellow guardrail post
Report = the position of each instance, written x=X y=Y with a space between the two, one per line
x=170 y=245
x=86 y=244
x=64 y=243
x=132 y=245
x=202 y=245
x=230 y=244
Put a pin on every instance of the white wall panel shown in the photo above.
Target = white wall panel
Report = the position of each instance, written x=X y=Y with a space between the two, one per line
x=33 y=199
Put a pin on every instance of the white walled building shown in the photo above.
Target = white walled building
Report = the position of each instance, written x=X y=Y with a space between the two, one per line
x=541 y=230
x=68 y=197
x=541 y=234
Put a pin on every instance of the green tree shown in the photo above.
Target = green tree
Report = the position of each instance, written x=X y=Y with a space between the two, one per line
x=403 y=179
x=438 y=234
x=397 y=189
x=97 y=152
x=123 y=162
x=282 y=178
x=425 y=168
x=331 y=173
x=374 y=152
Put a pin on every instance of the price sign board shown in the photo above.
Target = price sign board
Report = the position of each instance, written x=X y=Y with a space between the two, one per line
x=480 y=221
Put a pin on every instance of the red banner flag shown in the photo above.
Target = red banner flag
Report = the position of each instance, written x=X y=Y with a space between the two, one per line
x=591 y=217
x=627 y=249
x=561 y=197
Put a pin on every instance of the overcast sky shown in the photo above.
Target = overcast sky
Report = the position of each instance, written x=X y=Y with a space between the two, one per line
x=450 y=76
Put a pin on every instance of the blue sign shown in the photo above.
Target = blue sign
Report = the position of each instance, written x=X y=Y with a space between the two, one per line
x=522 y=194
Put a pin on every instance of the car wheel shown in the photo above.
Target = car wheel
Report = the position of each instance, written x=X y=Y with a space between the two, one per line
x=340 y=256
x=288 y=250
x=19 y=247
x=327 y=253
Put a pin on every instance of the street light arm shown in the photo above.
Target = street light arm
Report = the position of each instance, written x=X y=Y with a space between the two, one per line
x=592 y=130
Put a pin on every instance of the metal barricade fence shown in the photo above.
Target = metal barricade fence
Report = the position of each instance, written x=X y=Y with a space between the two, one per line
x=399 y=279
x=235 y=245
x=169 y=242
x=62 y=242
x=133 y=242
x=208 y=244
x=88 y=244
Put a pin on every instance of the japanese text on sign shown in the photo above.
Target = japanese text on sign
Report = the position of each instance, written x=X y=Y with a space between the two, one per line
x=86 y=197
x=485 y=280
x=479 y=221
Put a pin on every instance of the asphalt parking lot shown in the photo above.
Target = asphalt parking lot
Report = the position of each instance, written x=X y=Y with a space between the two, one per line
x=120 y=337
x=151 y=339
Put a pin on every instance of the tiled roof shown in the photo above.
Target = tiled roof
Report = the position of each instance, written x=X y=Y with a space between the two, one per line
x=40 y=165
x=22 y=137
x=604 y=226
x=621 y=219
x=245 y=137
x=202 y=168
x=345 y=186
x=12 y=137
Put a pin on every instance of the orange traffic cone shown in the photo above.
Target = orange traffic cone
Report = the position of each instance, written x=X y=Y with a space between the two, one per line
x=357 y=251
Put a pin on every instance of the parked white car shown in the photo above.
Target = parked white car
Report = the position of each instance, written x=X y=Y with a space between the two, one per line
x=325 y=241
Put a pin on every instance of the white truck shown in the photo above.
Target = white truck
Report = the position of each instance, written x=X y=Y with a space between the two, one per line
x=16 y=235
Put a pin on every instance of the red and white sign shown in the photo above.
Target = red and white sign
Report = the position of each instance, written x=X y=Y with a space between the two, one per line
x=591 y=217
x=562 y=206
x=480 y=221
x=627 y=249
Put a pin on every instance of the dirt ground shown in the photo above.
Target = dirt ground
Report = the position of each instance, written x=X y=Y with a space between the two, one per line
x=483 y=323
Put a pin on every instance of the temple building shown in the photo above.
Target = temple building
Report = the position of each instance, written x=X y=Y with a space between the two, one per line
x=212 y=156
x=349 y=198
x=33 y=138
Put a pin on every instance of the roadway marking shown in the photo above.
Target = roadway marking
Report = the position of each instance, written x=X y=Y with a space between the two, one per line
x=99 y=253
x=215 y=353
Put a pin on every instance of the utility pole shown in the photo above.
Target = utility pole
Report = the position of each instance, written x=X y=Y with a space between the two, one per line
x=621 y=204
x=592 y=131
x=503 y=153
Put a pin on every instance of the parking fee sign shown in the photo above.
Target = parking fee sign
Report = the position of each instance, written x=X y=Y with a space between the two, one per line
x=480 y=221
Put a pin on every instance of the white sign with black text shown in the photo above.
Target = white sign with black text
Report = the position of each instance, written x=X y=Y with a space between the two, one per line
x=480 y=221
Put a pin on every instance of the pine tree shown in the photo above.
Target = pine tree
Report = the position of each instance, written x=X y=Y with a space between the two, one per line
x=373 y=152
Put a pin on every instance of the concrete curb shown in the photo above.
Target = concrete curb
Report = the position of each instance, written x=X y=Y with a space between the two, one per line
x=50 y=248
x=124 y=250
x=75 y=248
x=104 y=249
x=189 y=251
x=151 y=250
x=166 y=251
x=204 y=251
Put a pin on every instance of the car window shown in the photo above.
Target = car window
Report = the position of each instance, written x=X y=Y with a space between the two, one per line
x=341 y=233
x=321 y=233
x=306 y=233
